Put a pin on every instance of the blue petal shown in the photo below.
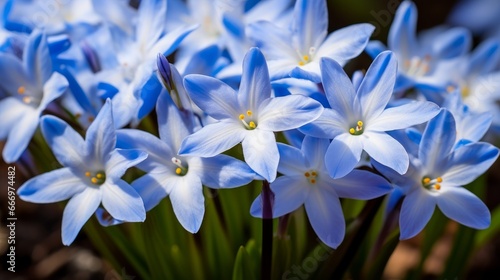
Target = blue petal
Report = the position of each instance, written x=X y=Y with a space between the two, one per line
x=404 y=116
x=149 y=93
x=485 y=58
x=55 y=86
x=255 y=86
x=11 y=110
x=13 y=74
x=222 y=171
x=121 y=160
x=77 y=212
x=122 y=201
x=374 y=48
x=169 y=43
x=346 y=43
x=377 y=86
x=361 y=184
x=292 y=161
x=151 y=188
x=213 y=139
x=453 y=43
x=343 y=155
x=188 y=203
x=469 y=162
x=159 y=153
x=464 y=207
x=328 y=125
x=386 y=150
x=288 y=112
x=416 y=211
x=314 y=150
x=101 y=136
x=310 y=24
x=290 y=192
x=214 y=97
x=261 y=153
x=105 y=218
x=274 y=42
x=150 y=22
x=325 y=215
x=339 y=89
x=19 y=138
x=401 y=37
x=37 y=59
x=437 y=140
x=66 y=144
x=173 y=127
x=54 y=186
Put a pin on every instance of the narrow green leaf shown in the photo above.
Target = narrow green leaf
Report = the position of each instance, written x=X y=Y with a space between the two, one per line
x=243 y=268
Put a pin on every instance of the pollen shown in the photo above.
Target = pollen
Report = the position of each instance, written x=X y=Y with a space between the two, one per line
x=21 y=90
x=94 y=180
x=181 y=169
x=87 y=174
x=301 y=63
x=249 y=113
x=27 y=99
x=432 y=184
x=99 y=176
x=241 y=117
x=305 y=57
x=352 y=130
x=252 y=125
x=178 y=171
x=311 y=176
x=358 y=129
x=426 y=180
x=307 y=174
x=437 y=187
x=439 y=179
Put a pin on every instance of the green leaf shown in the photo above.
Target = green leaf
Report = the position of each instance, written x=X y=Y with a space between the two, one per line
x=483 y=236
x=243 y=269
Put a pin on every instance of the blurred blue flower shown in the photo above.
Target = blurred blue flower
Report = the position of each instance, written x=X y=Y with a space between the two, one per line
x=180 y=177
x=31 y=85
x=296 y=51
x=305 y=181
x=436 y=175
x=250 y=116
x=91 y=175
x=358 y=119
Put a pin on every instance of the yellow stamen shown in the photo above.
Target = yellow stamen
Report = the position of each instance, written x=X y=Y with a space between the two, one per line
x=360 y=123
x=252 y=125
x=249 y=113
x=427 y=180
x=241 y=117
x=301 y=63
x=313 y=181
x=307 y=174
x=352 y=131
x=305 y=57
x=178 y=170
x=26 y=99
x=314 y=173
x=439 y=179
x=99 y=176
x=87 y=174
x=437 y=186
x=94 y=180
x=21 y=90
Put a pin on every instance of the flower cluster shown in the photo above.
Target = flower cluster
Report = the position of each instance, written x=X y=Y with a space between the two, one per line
x=264 y=77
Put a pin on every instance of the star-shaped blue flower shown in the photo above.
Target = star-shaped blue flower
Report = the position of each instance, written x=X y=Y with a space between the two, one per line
x=91 y=175
x=436 y=175
x=250 y=116
x=358 y=119
x=306 y=182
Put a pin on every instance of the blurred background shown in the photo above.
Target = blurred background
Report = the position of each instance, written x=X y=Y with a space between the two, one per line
x=41 y=255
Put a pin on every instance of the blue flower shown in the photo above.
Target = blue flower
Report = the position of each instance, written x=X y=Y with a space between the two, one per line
x=296 y=51
x=91 y=175
x=423 y=62
x=31 y=85
x=179 y=177
x=250 y=116
x=305 y=181
x=358 y=120
x=436 y=175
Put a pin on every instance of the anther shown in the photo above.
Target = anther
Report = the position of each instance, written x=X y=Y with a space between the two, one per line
x=87 y=174
x=437 y=187
x=178 y=171
x=252 y=125
x=241 y=117
x=352 y=131
x=21 y=90
x=27 y=99
x=94 y=180
x=439 y=179
x=249 y=113
x=307 y=174
x=426 y=180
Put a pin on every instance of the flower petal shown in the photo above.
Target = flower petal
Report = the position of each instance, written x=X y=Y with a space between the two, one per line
x=13 y=74
x=416 y=211
x=261 y=153
x=255 y=86
x=469 y=162
x=120 y=160
x=438 y=140
x=310 y=24
x=19 y=138
x=213 y=139
x=77 y=212
x=292 y=161
x=314 y=150
x=53 y=186
x=361 y=184
x=402 y=39
x=288 y=112
x=152 y=188
x=343 y=155
x=214 y=97
x=273 y=41
x=346 y=43
x=54 y=87
x=122 y=202
x=409 y=114
x=386 y=150
x=464 y=207
x=188 y=202
x=222 y=171
x=172 y=126
x=66 y=144
x=377 y=86
x=290 y=192
x=150 y=21
x=325 y=215
x=328 y=125
x=101 y=136
x=11 y=110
